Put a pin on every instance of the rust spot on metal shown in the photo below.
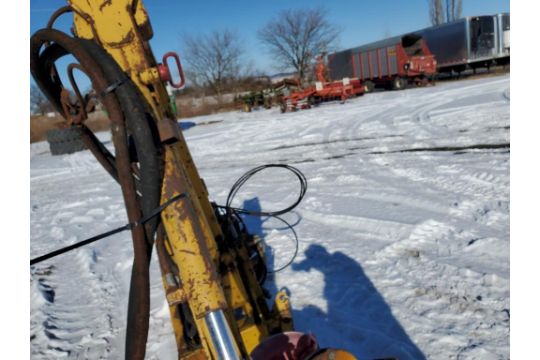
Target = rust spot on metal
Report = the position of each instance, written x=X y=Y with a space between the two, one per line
x=105 y=3
x=127 y=39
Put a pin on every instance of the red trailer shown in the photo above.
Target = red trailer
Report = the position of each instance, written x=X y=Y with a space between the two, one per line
x=391 y=63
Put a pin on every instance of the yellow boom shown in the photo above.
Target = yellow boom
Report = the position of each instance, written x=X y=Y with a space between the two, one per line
x=210 y=278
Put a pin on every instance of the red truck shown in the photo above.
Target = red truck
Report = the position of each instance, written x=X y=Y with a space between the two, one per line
x=391 y=63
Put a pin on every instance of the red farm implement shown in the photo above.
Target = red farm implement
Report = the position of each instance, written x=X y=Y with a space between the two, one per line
x=323 y=90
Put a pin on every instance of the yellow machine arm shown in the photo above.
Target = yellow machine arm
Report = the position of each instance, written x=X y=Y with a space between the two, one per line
x=211 y=267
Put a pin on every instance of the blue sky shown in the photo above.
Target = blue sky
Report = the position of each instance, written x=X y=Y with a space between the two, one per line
x=361 y=21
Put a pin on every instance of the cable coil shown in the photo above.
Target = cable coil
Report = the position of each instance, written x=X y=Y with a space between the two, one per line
x=235 y=211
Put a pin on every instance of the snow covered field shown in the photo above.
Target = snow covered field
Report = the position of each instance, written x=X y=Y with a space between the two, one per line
x=404 y=230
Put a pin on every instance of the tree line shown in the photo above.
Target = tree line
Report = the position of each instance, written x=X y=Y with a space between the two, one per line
x=293 y=38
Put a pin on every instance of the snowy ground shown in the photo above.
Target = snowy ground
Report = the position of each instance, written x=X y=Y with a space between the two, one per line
x=403 y=252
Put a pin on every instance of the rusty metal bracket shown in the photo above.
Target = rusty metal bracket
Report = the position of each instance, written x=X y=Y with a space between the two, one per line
x=169 y=131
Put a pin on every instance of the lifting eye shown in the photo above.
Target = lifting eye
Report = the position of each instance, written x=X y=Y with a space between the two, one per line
x=165 y=73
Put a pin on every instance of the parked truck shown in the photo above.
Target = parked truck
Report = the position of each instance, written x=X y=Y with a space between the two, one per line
x=391 y=63
x=470 y=42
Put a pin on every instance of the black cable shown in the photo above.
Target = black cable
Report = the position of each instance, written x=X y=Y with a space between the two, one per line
x=79 y=244
x=128 y=226
x=287 y=224
x=244 y=178
x=234 y=211
x=296 y=245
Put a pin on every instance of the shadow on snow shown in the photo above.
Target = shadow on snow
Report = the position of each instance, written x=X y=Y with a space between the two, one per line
x=357 y=317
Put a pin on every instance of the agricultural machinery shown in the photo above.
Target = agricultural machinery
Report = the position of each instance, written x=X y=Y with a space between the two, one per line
x=323 y=90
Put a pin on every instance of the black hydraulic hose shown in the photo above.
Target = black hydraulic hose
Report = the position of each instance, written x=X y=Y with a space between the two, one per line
x=42 y=66
x=57 y=14
x=148 y=154
x=44 y=72
x=141 y=125
x=126 y=100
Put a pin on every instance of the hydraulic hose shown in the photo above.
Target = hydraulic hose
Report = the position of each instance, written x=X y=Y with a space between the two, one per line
x=142 y=128
x=130 y=119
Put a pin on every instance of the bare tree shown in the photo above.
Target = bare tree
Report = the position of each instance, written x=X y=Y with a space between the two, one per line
x=38 y=102
x=436 y=12
x=213 y=59
x=295 y=37
x=453 y=10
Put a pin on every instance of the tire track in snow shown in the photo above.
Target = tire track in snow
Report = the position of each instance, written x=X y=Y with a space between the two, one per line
x=79 y=322
x=412 y=278
x=74 y=297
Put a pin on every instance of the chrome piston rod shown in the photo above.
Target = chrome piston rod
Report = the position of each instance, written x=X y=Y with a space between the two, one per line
x=221 y=336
